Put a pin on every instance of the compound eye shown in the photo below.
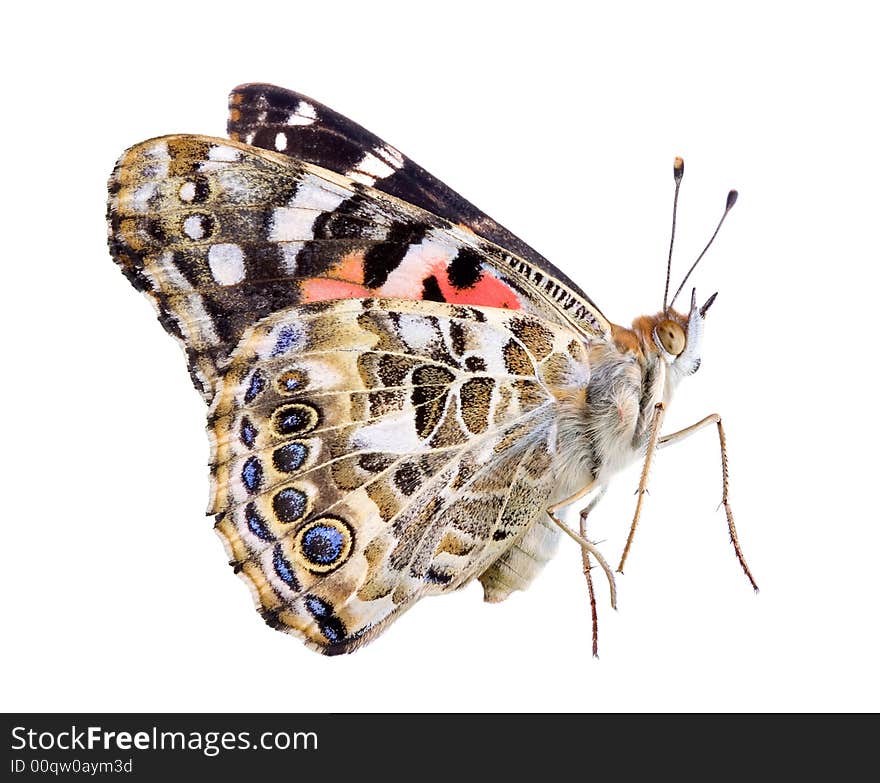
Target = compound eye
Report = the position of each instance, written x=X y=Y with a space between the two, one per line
x=671 y=337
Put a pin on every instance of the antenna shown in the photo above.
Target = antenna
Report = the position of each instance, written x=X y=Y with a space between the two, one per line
x=678 y=173
x=731 y=200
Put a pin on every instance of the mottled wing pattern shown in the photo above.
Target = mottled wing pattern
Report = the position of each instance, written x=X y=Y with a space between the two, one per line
x=285 y=121
x=220 y=234
x=369 y=452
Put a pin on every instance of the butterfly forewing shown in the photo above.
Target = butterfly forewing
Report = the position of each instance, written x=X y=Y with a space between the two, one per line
x=221 y=234
x=277 y=119
x=369 y=452
x=298 y=126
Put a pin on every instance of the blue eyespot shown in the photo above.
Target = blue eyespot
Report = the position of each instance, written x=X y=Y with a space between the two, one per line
x=322 y=544
x=257 y=384
x=252 y=474
x=291 y=380
x=290 y=457
x=318 y=607
x=289 y=505
x=288 y=337
x=295 y=418
x=283 y=568
x=332 y=627
x=256 y=524
x=248 y=432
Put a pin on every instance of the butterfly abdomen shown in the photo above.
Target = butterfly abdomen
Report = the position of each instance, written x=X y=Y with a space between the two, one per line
x=517 y=568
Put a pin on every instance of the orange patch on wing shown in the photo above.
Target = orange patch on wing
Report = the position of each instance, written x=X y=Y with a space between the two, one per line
x=488 y=291
x=345 y=281
x=350 y=268
x=322 y=289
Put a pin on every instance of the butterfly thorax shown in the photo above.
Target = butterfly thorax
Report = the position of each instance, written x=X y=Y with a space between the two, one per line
x=629 y=375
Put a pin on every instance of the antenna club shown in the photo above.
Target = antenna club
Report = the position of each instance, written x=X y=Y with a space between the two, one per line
x=677 y=172
x=731 y=200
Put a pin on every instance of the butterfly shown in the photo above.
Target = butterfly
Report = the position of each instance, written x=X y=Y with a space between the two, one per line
x=402 y=394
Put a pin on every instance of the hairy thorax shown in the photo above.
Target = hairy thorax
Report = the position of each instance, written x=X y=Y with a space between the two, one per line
x=609 y=430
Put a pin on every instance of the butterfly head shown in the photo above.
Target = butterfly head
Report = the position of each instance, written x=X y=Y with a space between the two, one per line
x=676 y=338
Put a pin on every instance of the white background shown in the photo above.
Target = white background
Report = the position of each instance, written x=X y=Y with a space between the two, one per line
x=561 y=124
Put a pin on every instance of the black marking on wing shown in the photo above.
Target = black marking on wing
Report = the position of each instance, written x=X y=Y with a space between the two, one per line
x=431 y=290
x=381 y=260
x=465 y=269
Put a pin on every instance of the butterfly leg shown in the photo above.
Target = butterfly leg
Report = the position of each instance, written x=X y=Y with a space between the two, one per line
x=675 y=437
x=588 y=568
x=586 y=545
x=656 y=421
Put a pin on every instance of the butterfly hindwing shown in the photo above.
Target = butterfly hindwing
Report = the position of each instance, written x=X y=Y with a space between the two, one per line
x=220 y=234
x=369 y=452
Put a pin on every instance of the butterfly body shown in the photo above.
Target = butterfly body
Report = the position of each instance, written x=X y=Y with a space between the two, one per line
x=631 y=375
x=399 y=389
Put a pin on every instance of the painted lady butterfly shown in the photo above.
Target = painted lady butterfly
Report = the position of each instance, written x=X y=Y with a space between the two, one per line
x=401 y=392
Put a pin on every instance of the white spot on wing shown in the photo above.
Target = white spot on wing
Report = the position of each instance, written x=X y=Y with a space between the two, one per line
x=492 y=342
x=187 y=191
x=193 y=227
x=289 y=251
x=359 y=176
x=390 y=155
x=314 y=197
x=291 y=224
x=417 y=331
x=233 y=184
x=158 y=159
x=219 y=158
x=325 y=376
x=227 y=263
x=142 y=195
x=281 y=141
x=317 y=193
x=378 y=164
x=222 y=152
x=305 y=114
x=158 y=151
x=392 y=434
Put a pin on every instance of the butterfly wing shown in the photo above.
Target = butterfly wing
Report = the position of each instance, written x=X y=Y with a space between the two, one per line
x=277 y=119
x=220 y=234
x=369 y=452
